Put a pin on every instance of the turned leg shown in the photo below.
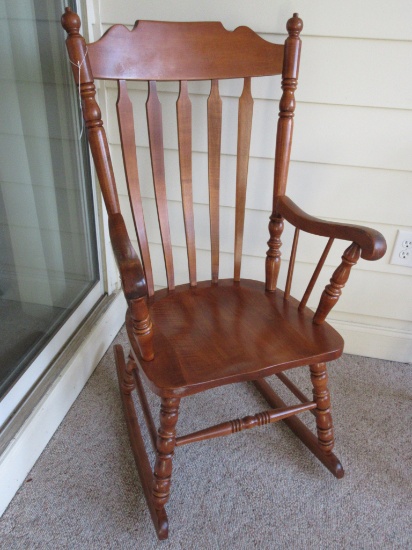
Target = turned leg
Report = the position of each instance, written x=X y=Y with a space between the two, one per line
x=142 y=328
x=127 y=384
x=166 y=441
x=126 y=379
x=273 y=255
x=321 y=395
x=339 y=278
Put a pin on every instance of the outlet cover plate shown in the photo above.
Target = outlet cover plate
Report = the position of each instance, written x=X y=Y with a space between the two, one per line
x=402 y=250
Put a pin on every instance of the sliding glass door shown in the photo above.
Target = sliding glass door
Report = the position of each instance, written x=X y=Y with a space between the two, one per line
x=49 y=269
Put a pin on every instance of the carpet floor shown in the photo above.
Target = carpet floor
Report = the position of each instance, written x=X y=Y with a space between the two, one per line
x=258 y=489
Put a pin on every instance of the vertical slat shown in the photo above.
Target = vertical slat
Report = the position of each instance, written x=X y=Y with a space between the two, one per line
x=184 y=132
x=214 y=133
x=155 y=128
x=291 y=263
x=128 y=141
x=315 y=275
x=243 y=148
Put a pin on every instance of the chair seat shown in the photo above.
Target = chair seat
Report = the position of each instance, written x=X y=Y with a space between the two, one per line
x=215 y=334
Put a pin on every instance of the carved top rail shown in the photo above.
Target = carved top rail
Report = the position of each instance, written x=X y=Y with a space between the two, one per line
x=157 y=50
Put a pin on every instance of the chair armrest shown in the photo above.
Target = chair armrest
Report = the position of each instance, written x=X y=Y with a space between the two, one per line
x=371 y=242
x=130 y=267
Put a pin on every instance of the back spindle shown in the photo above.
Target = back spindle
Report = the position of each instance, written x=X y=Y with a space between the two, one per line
x=128 y=140
x=243 y=149
x=155 y=129
x=184 y=132
x=214 y=135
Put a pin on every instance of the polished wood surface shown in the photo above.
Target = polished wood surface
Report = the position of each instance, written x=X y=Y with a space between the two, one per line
x=192 y=337
x=273 y=255
x=316 y=274
x=155 y=130
x=246 y=423
x=371 y=242
x=184 y=131
x=214 y=137
x=128 y=142
x=242 y=158
x=254 y=334
x=183 y=51
x=126 y=385
x=292 y=260
x=339 y=278
x=308 y=438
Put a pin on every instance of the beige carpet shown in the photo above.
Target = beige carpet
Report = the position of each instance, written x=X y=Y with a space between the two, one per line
x=258 y=489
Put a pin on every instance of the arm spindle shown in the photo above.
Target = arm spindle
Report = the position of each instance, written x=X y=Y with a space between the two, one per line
x=291 y=263
x=315 y=275
x=332 y=291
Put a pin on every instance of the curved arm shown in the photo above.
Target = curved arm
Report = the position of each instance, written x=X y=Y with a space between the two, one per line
x=130 y=267
x=133 y=284
x=371 y=242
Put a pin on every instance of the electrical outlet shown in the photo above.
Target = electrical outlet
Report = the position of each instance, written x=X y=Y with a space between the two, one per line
x=402 y=251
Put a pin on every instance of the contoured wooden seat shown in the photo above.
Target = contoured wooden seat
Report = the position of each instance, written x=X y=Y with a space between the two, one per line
x=215 y=334
x=195 y=336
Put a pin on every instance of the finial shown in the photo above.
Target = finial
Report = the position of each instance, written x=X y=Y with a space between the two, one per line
x=295 y=25
x=71 y=21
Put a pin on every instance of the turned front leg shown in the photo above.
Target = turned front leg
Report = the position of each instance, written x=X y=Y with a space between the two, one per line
x=321 y=395
x=333 y=290
x=273 y=255
x=126 y=380
x=142 y=327
x=165 y=444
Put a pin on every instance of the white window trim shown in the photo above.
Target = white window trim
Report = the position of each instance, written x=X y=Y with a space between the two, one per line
x=77 y=361
x=36 y=431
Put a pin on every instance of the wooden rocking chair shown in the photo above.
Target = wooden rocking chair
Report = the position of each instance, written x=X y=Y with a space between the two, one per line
x=192 y=337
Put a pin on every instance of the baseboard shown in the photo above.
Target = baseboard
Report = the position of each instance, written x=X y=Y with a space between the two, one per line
x=373 y=341
x=36 y=431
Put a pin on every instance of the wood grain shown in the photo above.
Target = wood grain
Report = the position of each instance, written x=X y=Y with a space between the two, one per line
x=243 y=148
x=155 y=129
x=200 y=335
x=159 y=517
x=184 y=131
x=246 y=423
x=329 y=460
x=316 y=274
x=128 y=142
x=333 y=290
x=321 y=395
x=291 y=263
x=214 y=136
x=165 y=444
x=254 y=334
x=183 y=51
x=371 y=242
x=273 y=255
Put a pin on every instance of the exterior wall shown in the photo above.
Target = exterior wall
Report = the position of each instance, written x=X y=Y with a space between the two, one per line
x=351 y=157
